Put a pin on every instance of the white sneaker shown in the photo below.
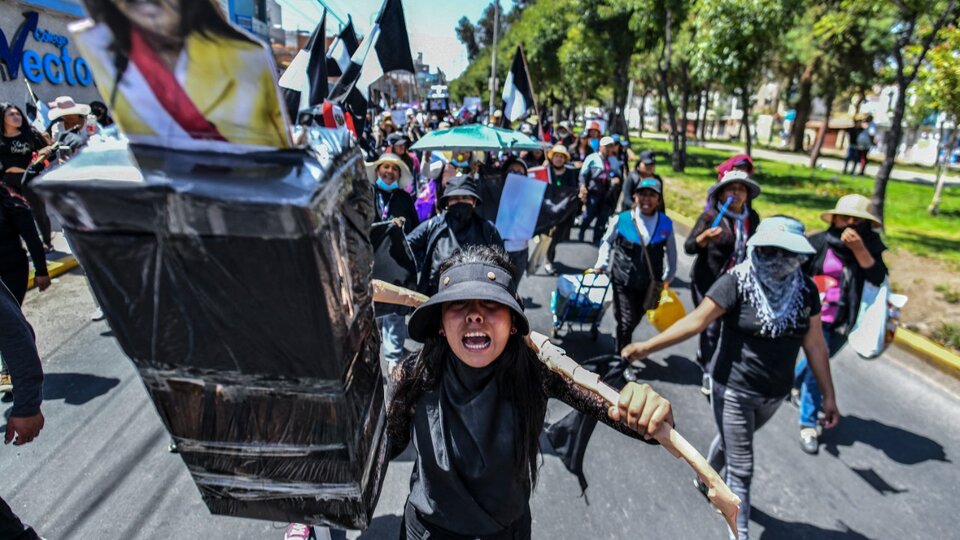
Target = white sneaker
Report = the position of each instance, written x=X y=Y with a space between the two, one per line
x=98 y=315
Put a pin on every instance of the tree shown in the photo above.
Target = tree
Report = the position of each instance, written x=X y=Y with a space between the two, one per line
x=467 y=34
x=486 y=22
x=734 y=42
x=915 y=25
x=939 y=88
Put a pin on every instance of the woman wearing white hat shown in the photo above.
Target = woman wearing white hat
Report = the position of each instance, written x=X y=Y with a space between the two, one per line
x=770 y=309
x=848 y=255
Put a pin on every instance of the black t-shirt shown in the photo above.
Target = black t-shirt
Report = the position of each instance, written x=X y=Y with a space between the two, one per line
x=18 y=151
x=747 y=361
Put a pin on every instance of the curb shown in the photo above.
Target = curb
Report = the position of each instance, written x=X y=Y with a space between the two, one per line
x=56 y=268
x=928 y=350
x=912 y=342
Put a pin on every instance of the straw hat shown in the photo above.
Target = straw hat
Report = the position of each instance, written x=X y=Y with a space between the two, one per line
x=406 y=178
x=854 y=205
x=558 y=149
x=65 y=106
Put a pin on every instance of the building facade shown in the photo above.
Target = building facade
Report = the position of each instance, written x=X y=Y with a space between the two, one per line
x=40 y=50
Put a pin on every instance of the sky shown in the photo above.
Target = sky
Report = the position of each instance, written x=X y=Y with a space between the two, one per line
x=431 y=24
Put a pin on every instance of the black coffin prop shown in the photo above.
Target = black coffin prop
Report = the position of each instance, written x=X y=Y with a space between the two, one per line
x=239 y=285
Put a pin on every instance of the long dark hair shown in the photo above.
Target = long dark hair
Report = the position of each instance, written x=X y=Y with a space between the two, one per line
x=518 y=378
x=201 y=16
x=25 y=126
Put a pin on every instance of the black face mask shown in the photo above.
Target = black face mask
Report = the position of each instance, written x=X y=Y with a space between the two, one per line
x=459 y=213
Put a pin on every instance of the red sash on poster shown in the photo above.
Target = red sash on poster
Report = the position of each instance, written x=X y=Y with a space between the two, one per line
x=168 y=91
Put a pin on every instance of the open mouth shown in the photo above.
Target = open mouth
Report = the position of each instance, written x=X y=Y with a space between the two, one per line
x=476 y=341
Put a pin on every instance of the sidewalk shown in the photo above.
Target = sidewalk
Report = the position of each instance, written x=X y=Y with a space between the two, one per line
x=825 y=162
x=61 y=259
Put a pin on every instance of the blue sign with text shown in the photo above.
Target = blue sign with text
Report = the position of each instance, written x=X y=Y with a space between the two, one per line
x=37 y=68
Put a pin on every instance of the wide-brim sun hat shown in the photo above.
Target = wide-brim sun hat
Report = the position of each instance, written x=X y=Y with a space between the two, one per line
x=853 y=205
x=66 y=106
x=733 y=177
x=406 y=177
x=784 y=233
x=467 y=281
x=558 y=149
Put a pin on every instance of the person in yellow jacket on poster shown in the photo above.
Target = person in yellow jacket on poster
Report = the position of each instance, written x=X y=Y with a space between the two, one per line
x=177 y=74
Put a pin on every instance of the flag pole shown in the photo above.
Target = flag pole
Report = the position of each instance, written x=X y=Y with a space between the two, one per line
x=332 y=12
x=533 y=94
x=493 y=63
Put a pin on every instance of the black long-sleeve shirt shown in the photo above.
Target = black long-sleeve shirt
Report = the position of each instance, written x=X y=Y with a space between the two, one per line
x=19 y=350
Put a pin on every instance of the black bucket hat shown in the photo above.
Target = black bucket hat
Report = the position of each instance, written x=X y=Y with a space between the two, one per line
x=462 y=185
x=468 y=281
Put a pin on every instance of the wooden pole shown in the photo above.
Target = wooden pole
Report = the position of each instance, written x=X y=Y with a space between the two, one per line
x=557 y=360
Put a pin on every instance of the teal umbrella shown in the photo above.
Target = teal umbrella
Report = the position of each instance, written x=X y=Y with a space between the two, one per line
x=476 y=137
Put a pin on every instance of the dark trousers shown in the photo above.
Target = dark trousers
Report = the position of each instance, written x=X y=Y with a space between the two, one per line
x=628 y=310
x=853 y=157
x=15 y=273
x=560 y=233
x=37 y=206
x=519 y=260
x=595 y=209
x=709 y=337
x=11 y=528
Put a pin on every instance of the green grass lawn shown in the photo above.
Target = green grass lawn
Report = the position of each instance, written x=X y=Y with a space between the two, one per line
x=804 y=193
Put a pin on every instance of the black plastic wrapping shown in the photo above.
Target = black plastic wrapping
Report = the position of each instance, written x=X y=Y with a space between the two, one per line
x=239 y=286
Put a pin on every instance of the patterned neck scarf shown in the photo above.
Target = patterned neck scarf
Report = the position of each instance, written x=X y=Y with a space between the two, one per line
x=740 y=231
x=773 y=286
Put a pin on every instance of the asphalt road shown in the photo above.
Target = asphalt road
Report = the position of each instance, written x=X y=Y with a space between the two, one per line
x=101 y=469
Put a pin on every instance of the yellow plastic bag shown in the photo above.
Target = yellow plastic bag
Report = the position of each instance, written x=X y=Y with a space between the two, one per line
x=668 y=312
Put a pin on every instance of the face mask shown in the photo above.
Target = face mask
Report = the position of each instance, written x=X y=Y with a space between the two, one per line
x=385 y=186
x=779 y=265
x=460 y=212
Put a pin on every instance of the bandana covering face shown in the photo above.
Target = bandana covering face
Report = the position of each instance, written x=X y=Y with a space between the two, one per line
x=773 y=286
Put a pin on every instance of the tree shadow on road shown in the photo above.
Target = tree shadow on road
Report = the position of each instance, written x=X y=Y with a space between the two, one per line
x=898 y=444
x=777 y=529
x=76 y=388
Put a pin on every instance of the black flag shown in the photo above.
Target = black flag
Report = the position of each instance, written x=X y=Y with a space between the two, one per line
x=304 y=83
x=338 y=57
x=393 y=47
x=517 y=91
x=388 y=38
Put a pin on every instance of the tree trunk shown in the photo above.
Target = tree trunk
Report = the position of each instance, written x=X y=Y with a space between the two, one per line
x=643 y=107
x=706 y=109
x=892 y=141
x=684 y=105
x=621 y=81
x=664 y=67
x=699 y=117
x=659 y=113
x=804 y=104
x=934 y=207
x=817 y=146
x=745 y=122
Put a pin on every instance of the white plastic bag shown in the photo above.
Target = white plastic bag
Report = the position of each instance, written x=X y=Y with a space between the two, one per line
x=871 y=334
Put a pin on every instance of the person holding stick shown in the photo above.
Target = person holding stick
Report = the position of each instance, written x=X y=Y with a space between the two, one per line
x=474 y=401
x=770 y=309
x=718 y=240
